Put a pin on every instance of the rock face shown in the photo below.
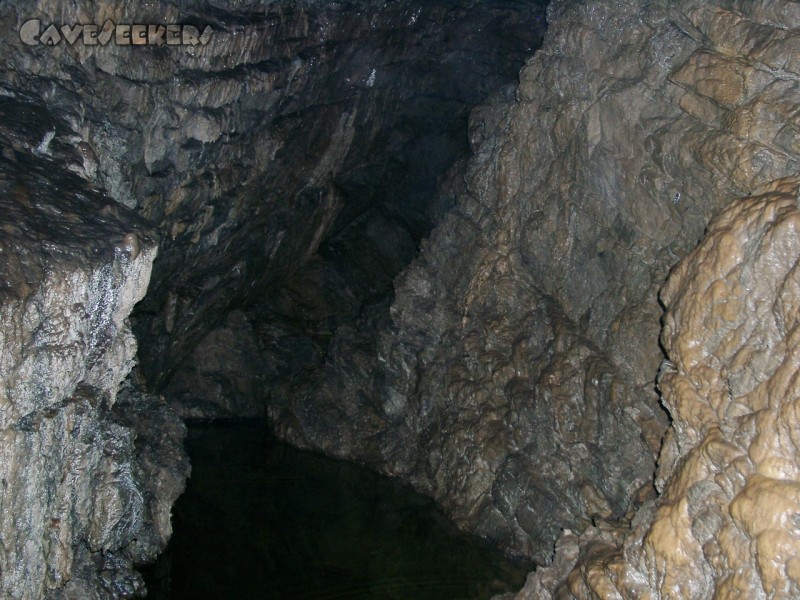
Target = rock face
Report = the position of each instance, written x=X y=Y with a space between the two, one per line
x=730 y=458
x=371 y=67
x=297 y=128
x=224 y=377
x=515 y=378
x=510 y=370
x=294 y=123
x=517 y=360
x=723 y=522
x=723 y=525
x=88 y=475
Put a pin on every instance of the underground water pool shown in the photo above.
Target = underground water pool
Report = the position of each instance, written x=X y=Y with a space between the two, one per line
x=260 y=519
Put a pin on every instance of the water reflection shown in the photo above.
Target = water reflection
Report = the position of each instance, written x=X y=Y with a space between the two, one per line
x=262 y=520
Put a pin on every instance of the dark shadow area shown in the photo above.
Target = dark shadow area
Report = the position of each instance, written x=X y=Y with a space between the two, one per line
x=260 y=519
x=336 y=146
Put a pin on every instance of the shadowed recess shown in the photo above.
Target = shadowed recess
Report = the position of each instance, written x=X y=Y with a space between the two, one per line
x=260 y=519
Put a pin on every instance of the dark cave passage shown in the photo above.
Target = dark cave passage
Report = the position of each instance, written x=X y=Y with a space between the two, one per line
x=260 y=519
x=276 y=321
x=368 y=144
x=364 y=152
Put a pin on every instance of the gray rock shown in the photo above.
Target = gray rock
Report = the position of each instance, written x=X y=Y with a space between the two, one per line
x=224 y=376
x=726 y=473
x=509 y=371
x=286 y=127
x=88 y=474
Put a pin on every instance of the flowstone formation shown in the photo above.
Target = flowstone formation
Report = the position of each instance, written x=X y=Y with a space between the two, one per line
x=510 y=371
x=88 y=473
x=725 y=523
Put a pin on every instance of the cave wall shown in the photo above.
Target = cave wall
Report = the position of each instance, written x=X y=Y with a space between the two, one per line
x=298 y=124
x=512 y=375
x=722 y=524
x=294 y=120
x=406 y=75
x=515 y=377
x=89 y=472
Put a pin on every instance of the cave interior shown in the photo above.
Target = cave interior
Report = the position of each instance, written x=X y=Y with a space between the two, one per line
x=535 y=261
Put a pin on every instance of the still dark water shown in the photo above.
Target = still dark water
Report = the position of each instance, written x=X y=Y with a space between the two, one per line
x=262 y=520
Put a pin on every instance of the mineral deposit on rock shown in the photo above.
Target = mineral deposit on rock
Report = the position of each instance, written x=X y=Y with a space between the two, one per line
x=88 y=473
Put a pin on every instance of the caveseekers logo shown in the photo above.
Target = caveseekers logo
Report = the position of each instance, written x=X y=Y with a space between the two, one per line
x=31 y=33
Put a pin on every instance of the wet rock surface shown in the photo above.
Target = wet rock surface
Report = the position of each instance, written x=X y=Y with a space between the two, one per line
x=88 y=473
x=296 y=123
x=515 y=378
x=510 y=370
x=300 y=127
x=720 y=525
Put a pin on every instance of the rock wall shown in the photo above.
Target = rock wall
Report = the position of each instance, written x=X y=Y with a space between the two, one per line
x=515 y=378
x=224 y=377
x=512 y=375
x=297 y=124
x=88 y=475
x=722 y=524
x=294 y=121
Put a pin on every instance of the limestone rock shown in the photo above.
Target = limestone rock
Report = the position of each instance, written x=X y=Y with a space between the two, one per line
x=723 y=524
x=286 y=127
x=510 y=370
x=515 y=380
x=298 y=124
x=224 y=376
x=88 y=475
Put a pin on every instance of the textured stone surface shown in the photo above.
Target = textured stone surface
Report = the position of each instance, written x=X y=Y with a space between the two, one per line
x=515 y=337
x=300 y=127
x=88 y=476
x=224 y=377
x=512 y=375
x=295 y=121
x=515 y=379
x=722 y=524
